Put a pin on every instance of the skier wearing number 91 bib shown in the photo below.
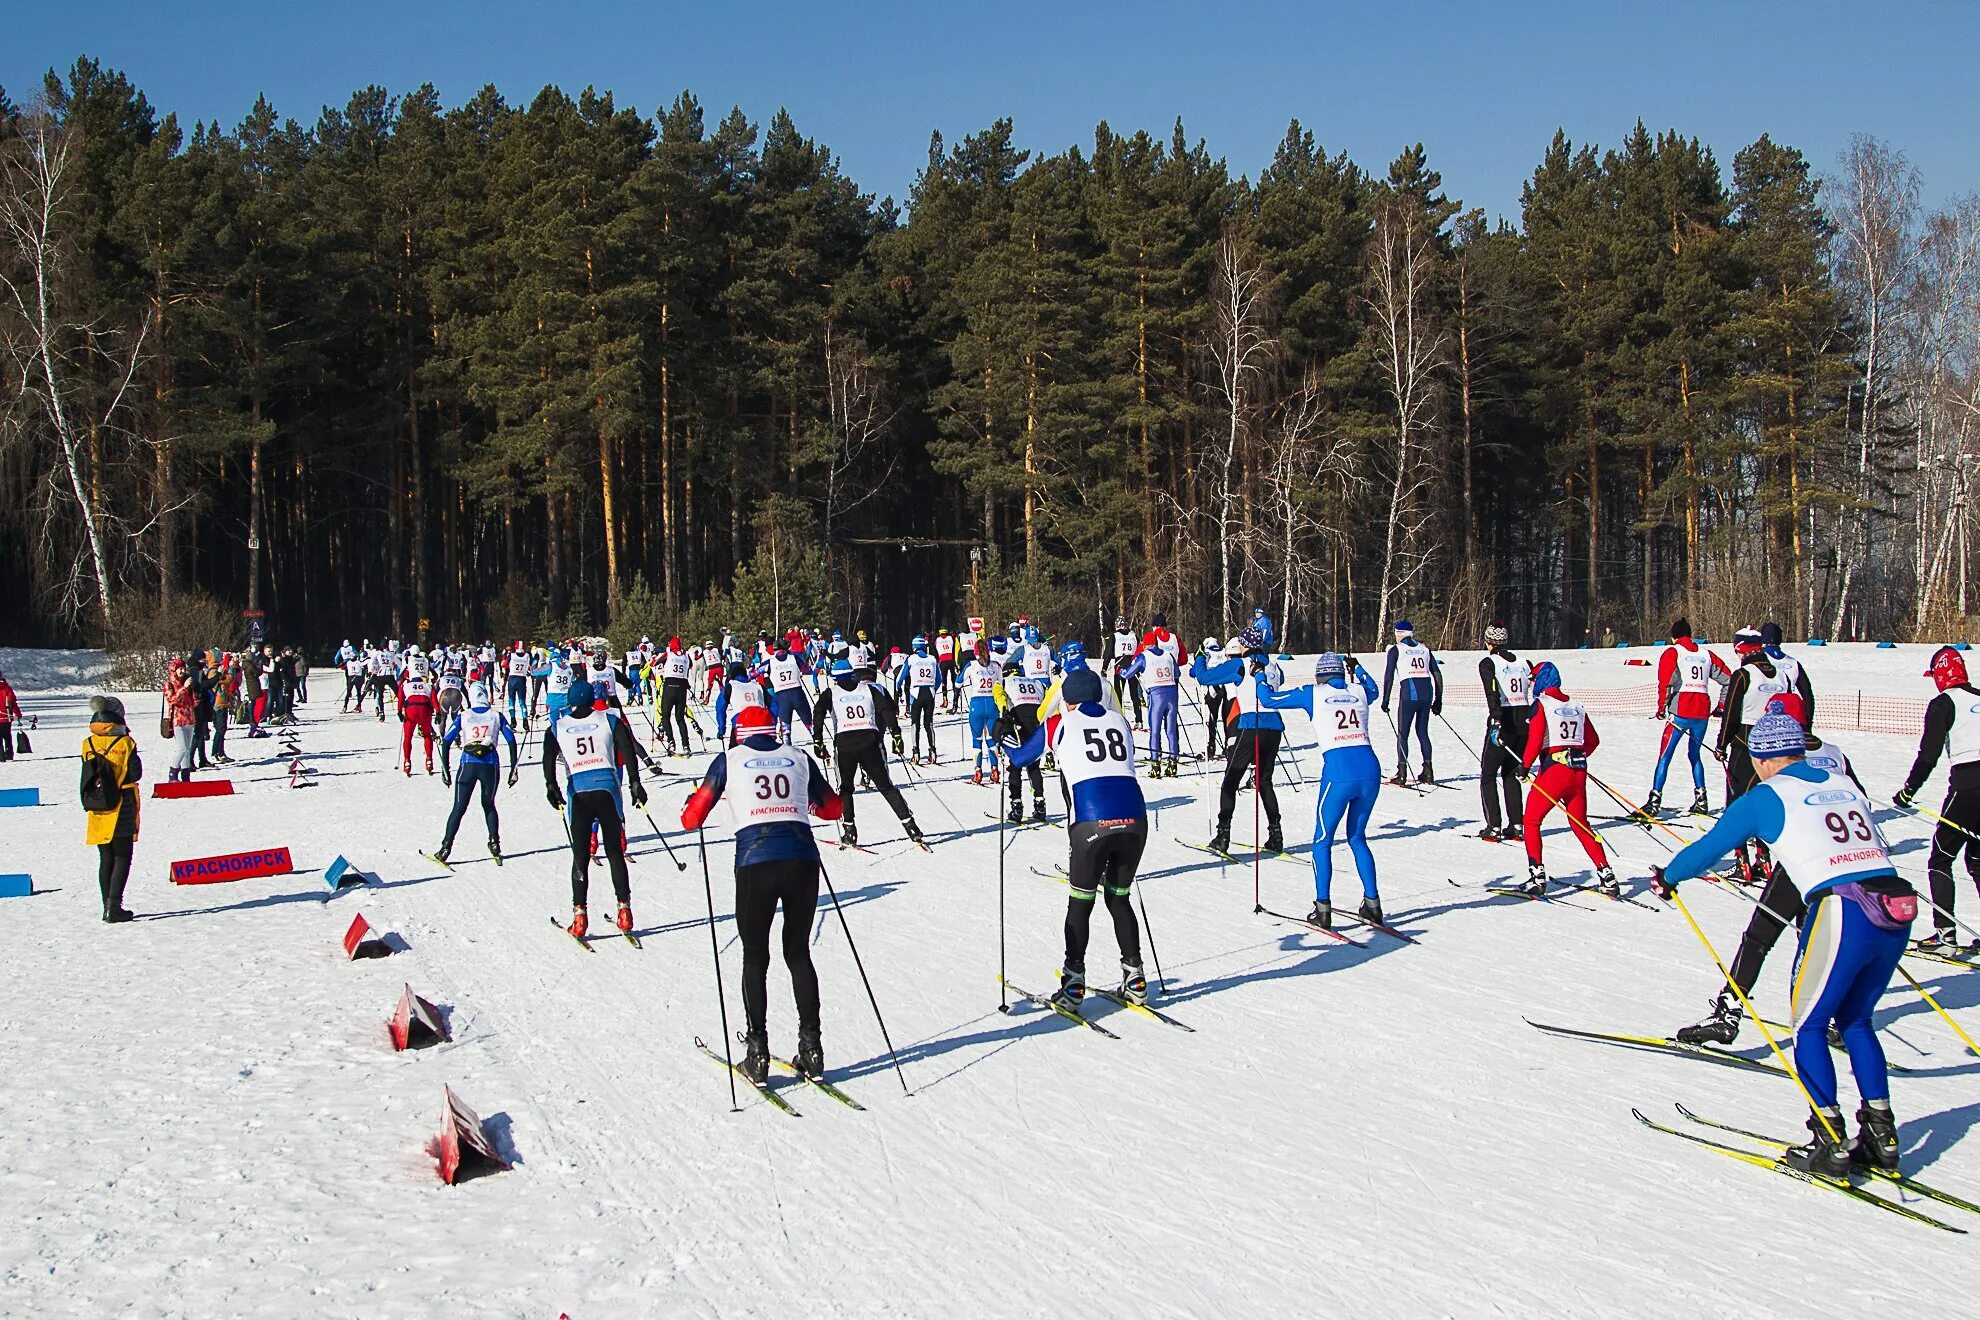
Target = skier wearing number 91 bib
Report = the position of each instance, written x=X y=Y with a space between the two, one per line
x=1106 y=821
x=772 y=791
x=593 y=744
x=1820 y=831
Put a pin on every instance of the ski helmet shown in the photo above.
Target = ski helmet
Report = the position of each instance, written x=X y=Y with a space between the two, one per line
x=1545 y=677
x=920 y=644
x=580 y=698
x=1031 y=634
x=478 y=695
x=1072 y=656
x=1948 y=668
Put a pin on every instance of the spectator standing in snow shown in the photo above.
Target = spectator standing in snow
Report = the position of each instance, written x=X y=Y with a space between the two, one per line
x=111 y=769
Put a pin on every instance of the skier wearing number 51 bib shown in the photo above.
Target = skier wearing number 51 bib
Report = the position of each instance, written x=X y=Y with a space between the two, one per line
x=593 y=744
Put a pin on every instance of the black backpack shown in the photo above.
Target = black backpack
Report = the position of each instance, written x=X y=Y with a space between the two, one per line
x=101 y=790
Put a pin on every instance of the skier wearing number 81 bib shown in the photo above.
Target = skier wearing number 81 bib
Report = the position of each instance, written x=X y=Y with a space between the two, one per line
x=1106 y=821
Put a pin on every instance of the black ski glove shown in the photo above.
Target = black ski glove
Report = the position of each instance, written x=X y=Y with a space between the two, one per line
x=446 y=775
x=897 y=743
x=639 y=796
x=556 y=798
x=512 y=776
x=1903 y=798
x=1659 y=886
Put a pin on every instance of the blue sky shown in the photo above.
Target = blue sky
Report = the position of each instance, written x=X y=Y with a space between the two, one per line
x=1483 y=86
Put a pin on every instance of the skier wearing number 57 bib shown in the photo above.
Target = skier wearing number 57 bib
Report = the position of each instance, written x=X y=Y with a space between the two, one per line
x=772 y=791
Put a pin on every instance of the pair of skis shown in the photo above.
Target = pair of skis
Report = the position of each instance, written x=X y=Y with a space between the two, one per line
x=1072 y=1014
x=587 y=940
x=786 y=1068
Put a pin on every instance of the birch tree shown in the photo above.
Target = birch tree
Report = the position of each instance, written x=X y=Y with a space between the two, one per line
x=1241 y=348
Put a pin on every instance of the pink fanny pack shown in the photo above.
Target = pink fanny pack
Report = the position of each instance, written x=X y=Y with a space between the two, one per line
x=1887 y=910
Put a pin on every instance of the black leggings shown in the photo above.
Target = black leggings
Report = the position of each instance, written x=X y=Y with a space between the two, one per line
x=1962 y=809
x=1249 y=747
x=759 y=888
x=465 y=779
x=1499 y=760
x=1024 y=719
x=600 y=807
x=673 y=710
x=1780 y=903
x=860 y=750
x=113 y=871
x=1133 y=686
x=1104 y=856
x=921 y=714
x=1215 y=700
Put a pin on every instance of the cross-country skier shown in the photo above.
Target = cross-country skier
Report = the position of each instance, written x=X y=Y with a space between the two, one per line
x=516 y=688
x=1686 y=675
x=675 y=667
x=1350 y=778
x=1263 y=623
x=1508 y=684
x=1558 y=743
x=772 y=792
x=1216 y=696
x=1952 y=727
x=1158 y=662
x=1791 y=670
x=1753 y=685
x=476 y=730
x=786 y=673
x=594 y=745
x=415 y=711
x=1106 y=825
x=557 y=683
x=860 y=711
x=981 y=685
x=1255 y=732
x=1022 y=696
x=1121 y=646
x=1780 y=901
x=918 y=682
x=740 y=692
x=945 y=661
x=1859 y=916
x=351 y=661
x=1414 y=678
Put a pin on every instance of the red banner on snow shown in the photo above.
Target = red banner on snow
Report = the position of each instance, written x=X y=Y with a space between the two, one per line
x=193 y=788
x=464 y=1146
x=232 y=866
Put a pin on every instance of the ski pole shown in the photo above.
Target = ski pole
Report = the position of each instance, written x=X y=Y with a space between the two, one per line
x=1754 y=1013
x=1257 y=897
x=679 y=865
x=1916 y=810
x=838 y=908
x=1971 y=1047
x=1003 y=986
x=1160 y=977
x=715 y=947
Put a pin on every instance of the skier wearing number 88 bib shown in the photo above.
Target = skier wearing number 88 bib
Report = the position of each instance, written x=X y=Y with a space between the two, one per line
x=1106 y=821
x=1820 y=830
x=776 y=791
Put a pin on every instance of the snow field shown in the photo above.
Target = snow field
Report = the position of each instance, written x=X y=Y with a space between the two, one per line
x=200 y=1113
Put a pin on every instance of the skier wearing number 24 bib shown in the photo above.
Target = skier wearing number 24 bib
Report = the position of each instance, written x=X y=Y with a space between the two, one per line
x=1350 y=779
x=776 y=792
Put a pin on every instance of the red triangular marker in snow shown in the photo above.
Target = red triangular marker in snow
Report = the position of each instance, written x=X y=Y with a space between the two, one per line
x=359 y=944
x=416 y=1022
x=464 y=1147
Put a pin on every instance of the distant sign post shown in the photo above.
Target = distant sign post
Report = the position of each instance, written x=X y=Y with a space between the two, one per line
x=257 y=626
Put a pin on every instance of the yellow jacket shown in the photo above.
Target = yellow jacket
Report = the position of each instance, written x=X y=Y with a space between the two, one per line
x=113 y=742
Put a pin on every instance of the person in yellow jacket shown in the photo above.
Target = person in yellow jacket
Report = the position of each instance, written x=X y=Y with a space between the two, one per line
x=111 y=769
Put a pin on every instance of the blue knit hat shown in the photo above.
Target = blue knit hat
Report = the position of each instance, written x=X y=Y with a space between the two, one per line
x=580 y=697
x=1403 y=626
x=1776 y=734
x=1082 y=687
x=1329 y=667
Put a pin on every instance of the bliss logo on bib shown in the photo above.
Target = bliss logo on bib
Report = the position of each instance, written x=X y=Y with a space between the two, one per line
x=769 y=763
x=1829 y=798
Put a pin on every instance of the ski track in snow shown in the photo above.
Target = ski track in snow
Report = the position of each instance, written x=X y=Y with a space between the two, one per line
x=201 y=1113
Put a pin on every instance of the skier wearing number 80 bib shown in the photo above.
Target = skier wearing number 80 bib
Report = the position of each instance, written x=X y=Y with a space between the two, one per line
x=860 y=712
x=1107 y=821
x=772 y=791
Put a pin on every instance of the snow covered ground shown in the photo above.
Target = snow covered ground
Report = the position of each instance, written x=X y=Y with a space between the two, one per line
x=201 y=1114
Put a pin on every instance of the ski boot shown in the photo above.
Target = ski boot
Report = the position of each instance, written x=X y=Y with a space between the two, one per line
x=977 y=778
x=1606 y=883
x=429 y=765
x=1322 y=914
x=1699 y=807
x=406 y=766
x=1536 y=880
x=848 y=835
x=755 y=1063
x=1943 y=940
x=1651 y=805
x=670 y=750
x=1171 y=772
x=442 y=853
x=625 y=917
x=1827 y=1153
x=1274 y=843
x=1515 y=833
x=1401 y=777
x=1370 y=911
x=1718 y=1028
x=580 y=923
x=1016 y=814
x=1491 y=834
x=1134 y=983
x=1072 y=989
x=996 y=774
x=810 y=1056
x=1220 y=842
x=932 y=758
x=913 y=831
x=1427 y=777
x=1038 y=813
x=1876 y=1137
x=495 y=849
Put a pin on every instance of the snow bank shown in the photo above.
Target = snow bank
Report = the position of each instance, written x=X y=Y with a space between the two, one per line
x=34 y=670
